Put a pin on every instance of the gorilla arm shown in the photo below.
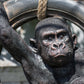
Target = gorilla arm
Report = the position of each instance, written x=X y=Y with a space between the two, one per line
x=79 y=60
x=10 y=39
x=16 y=46
x=79 y=80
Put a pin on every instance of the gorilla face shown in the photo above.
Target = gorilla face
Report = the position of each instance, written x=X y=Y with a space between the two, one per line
x=55 y=46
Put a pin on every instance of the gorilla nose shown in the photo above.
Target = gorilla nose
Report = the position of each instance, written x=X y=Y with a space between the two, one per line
x=59 y=45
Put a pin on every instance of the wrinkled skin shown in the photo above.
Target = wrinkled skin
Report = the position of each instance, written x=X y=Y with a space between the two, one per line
x=56 y=46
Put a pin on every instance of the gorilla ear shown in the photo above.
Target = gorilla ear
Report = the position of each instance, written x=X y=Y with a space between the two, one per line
x=74 y=41
x=33 y=43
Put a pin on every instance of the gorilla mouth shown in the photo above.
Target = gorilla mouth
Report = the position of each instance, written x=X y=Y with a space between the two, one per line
x=59 y=55
x=56 y=54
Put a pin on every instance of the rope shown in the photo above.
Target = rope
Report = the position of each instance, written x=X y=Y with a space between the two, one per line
x=42 y=7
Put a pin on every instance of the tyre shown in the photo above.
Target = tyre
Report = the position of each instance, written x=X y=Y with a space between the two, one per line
x=20 y=11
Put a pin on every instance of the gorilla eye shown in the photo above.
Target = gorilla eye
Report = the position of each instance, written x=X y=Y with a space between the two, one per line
x=49 y=37
x=61 y=35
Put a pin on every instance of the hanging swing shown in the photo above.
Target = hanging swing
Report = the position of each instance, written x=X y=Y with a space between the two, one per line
x=20 y=11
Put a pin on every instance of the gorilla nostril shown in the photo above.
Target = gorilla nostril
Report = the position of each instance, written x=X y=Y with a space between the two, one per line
x=60 y=45
x=54 y=45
